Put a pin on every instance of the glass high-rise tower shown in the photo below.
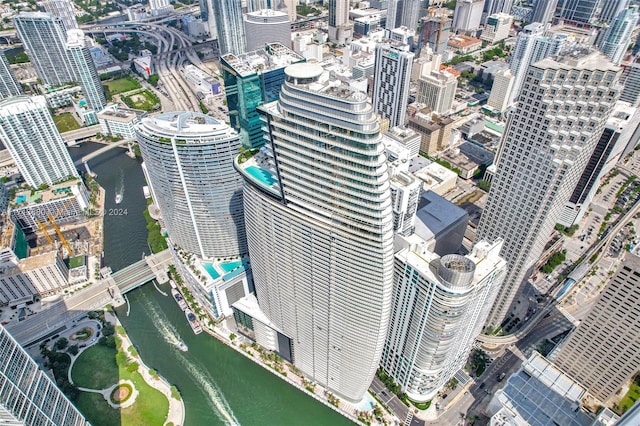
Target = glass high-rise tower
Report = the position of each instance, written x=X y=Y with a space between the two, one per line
x=229 y=25
x=84 y=70
x=250 y=80
x=27 y=395
x=9 y=86
x=189 y=159
x=618 y=36
x=319 y=227
x=44 y=38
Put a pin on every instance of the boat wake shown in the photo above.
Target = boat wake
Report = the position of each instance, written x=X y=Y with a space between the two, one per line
x=215 y=398
x=167 y=330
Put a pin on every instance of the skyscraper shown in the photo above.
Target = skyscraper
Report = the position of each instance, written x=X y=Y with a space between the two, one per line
x=44 y=39
x=618 y=36
x=228 y=17
x=64 y=10
x=631 y=81
x=467 y=15
x=251 y=80
x=27 y=395
x=391 y=81
x=319 y=226
x=501 y=90
x=578 y=10
x=339 y=28
x=544 y=10
x=403 y=13
x=531 y=46
x=435 y=30
x=9 y=86
x=496 y=6
x=437 y=90
x=614 y=139
x=29 y=133
x=611 y=9
x=439 y=306
x=84 y=70
x=189 y=159
x=267 y=26
x=604 y=351
x=570 y=99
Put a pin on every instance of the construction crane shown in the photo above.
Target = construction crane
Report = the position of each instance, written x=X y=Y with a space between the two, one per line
x=44 y=231
x=62 y=238
x=43 y=227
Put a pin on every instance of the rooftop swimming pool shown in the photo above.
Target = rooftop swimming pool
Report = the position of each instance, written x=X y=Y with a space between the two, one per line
x=230 y=266
x=262 y=175
x=21 y=198
x=211 y=271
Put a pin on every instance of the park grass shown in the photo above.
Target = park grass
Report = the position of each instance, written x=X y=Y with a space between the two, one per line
x=65 y=122
x=151 y=406
x=122 y=85
x=94 y=407
x=630 y=398
x=96 y=368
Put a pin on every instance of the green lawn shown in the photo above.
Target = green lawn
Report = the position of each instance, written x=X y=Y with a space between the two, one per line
x=122 y=85
x=94 y=407
x=96 y=368
x=630 y=398
x=65 y=122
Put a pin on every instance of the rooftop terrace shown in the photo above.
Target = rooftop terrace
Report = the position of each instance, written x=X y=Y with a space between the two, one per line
x=271 y=57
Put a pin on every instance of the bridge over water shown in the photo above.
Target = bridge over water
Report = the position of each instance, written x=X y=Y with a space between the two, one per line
x=62 y=314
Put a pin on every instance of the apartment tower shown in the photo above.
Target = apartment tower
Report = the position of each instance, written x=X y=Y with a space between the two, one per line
x=618 y=36
x=28 y=396
x=531 y=46
x=267 y=26
x=64 y=10
x=340 y=30
x=403 y=13
x=29 y=133
x=392 y=75
x=611 y=9
x=85 y=71
x=9 y=86
x=229 y=26
x=561 y=112
x=603 y=352
x=319 y=226
x=440 y=304
x=580 y=11
x=44 y=38
x=467 y=15
x=544 y=10
x=189 y=160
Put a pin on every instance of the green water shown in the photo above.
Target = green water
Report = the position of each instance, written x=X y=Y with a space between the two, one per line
x=219 y=386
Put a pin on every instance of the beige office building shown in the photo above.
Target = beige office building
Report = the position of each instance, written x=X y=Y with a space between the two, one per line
x=604 y=351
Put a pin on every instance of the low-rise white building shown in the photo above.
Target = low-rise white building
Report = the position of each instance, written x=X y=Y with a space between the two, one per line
x=117 y=121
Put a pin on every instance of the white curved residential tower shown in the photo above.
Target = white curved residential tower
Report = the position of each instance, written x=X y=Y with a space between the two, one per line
x=189 y=159
x=319 y=227
x=440 y=305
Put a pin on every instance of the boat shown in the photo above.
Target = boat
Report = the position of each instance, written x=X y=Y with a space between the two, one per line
x=193 y=321
x=172 y=283
x=181 y=346
x=179 y=299
x=118 y=198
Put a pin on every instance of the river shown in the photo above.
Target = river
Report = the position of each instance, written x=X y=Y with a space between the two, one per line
x=219 y=386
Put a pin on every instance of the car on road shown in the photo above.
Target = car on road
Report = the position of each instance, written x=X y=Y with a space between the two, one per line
x=501 y=377
x=482 y=385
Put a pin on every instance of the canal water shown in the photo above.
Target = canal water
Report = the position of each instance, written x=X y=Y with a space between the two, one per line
x=219 y=386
